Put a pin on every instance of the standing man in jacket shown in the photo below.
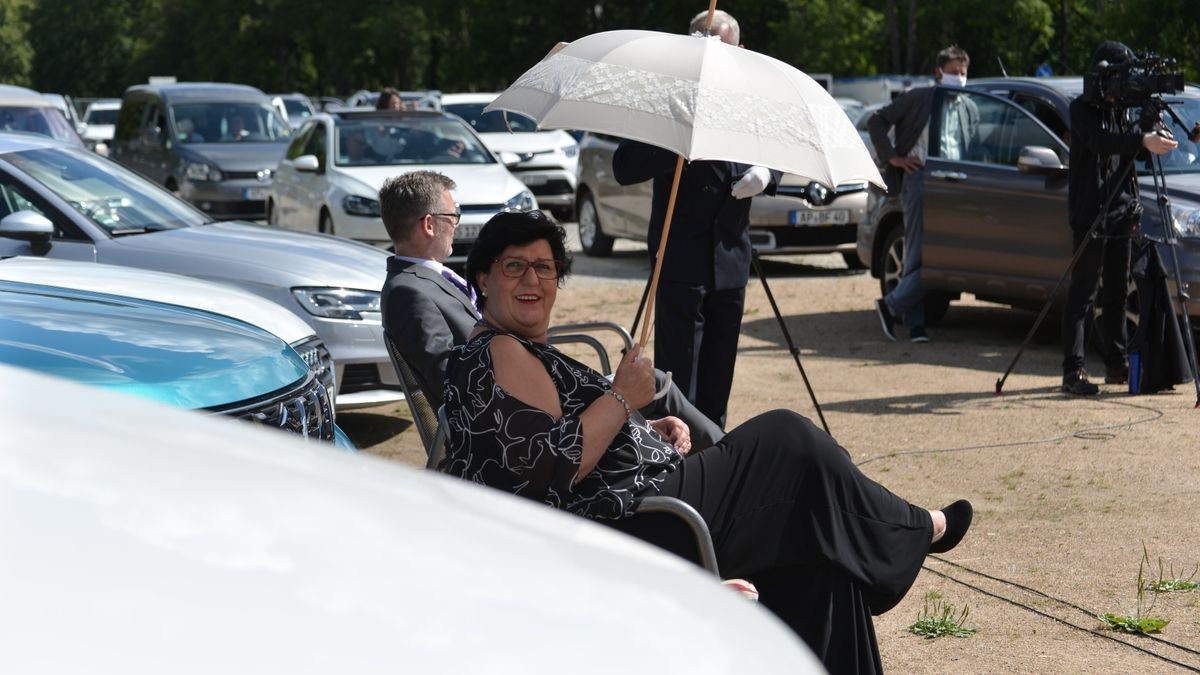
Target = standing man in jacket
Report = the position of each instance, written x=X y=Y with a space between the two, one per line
x=908 y=117
x=702 y=285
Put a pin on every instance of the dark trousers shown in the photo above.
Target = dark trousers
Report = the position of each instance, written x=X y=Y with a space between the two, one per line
x=826 y=545
x=1109 y=257
x=704 y=432
x=695 y=337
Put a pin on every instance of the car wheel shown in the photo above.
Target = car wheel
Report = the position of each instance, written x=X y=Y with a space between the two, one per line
x=591 y=235
x=1133 y=315
x=326 y=224
x=272 y=214
x=891 y=268
x=852 y=261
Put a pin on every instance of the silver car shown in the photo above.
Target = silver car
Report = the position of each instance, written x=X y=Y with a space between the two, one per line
x=67 y=203
x=803 y=217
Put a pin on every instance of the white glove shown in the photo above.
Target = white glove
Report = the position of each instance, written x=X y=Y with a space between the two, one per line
x=751 y=183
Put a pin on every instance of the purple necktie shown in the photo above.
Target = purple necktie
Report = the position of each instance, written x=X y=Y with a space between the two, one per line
x=460 y=283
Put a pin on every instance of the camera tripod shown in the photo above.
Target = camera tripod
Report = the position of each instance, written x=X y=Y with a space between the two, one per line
x=1150 y=120
x=787 y=336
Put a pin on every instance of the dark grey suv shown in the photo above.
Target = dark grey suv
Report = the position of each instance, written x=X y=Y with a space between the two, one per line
x=215 y=145
x=996 y=220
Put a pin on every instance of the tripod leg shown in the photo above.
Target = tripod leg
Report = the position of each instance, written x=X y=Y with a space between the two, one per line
x=1189 y=340
x=788 y=337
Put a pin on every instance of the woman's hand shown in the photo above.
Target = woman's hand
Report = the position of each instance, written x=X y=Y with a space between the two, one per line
x=675 y=432
x=634 y=379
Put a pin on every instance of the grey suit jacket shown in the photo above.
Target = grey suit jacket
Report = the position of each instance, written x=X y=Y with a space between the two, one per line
x=908 y=115
x=425 y=315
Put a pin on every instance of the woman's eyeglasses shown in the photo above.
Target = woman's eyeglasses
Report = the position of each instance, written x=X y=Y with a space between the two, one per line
x=515 y=267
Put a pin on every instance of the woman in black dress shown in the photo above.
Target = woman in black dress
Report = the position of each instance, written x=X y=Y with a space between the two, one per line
x=826 y=546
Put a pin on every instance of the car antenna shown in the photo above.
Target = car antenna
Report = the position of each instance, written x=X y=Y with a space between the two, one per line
x=1002 y=70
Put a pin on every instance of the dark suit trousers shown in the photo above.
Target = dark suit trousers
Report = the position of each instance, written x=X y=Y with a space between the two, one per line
x=1109 y=257
x=695 y=337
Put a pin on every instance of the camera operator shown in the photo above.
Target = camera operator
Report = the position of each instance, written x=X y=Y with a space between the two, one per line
x=1104 y=143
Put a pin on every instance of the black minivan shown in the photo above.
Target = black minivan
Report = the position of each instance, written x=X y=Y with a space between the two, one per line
x=216 y=145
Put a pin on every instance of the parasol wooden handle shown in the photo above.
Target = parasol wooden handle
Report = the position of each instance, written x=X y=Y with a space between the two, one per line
x=658 y=258
x=712 y=12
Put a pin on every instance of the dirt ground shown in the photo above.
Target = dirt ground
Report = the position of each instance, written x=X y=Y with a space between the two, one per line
x=1067 y=491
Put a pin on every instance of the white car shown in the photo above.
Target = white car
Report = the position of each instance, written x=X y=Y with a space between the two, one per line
x=25 y=111
x=329 y=179
x=549 y=158
x=173 y=289
x=99 y=120
x=155 y=540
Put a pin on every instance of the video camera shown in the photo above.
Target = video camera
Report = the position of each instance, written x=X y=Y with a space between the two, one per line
x=1133 y=82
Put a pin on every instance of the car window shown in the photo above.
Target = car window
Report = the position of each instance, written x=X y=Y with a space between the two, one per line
x=1045 y=113
x=316 y=145
x=296 y=147
x=109 y=195
x=155 y=124
x=241 y=122
x=979 y=128
x=388 y=141
x=1186 y=157
x=38 y=120
x=491 y=122
x=296 y=110
x=16 y=197
x=106 y=116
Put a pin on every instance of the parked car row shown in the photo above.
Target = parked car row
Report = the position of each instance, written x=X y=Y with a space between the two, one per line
x=996 y=215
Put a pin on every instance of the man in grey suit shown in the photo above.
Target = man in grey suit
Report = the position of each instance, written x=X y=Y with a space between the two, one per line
x=908 y=118
x=428 y=308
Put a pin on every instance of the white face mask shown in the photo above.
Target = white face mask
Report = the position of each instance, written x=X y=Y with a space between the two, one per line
x=954 y=80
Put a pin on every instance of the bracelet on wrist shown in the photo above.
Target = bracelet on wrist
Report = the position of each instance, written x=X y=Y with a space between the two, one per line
x=620 y=399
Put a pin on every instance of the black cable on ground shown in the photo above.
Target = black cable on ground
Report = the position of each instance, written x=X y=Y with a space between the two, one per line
x=1087 y=433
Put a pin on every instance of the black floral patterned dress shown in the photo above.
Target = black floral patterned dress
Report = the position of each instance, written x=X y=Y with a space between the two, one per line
x=498 y=440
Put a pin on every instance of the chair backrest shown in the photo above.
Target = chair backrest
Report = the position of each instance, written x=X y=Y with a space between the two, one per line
x=423 y=414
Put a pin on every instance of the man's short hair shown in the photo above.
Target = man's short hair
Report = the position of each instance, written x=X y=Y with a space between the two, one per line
x=952 y=53
x=720 y=18
x=405 y=199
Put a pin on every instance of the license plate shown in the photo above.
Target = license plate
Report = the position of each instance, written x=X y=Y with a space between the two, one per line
x=467 y=231
x=819 y=218
x=254 y=194
x=534 y=180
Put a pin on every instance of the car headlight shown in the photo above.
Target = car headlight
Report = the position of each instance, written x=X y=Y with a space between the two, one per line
x=200 y=171
x=522 y=202
x=361 y=206
x=570 y=150
x=1187 y=221
x=337 y=303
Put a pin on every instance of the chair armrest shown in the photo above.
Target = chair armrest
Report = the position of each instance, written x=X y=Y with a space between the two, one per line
x=576 y=332
x=691 y=517
x=437 y=451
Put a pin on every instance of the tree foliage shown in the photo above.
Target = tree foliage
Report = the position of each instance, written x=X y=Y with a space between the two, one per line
x=89 y=48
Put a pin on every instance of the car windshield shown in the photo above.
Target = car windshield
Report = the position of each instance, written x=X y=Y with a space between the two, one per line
x=296 y=109
x=114 y=198
x=491 y=122
x=1185 y=158
x=382 y=141
x=38 y=120
x=228 y=123
x=108 y=116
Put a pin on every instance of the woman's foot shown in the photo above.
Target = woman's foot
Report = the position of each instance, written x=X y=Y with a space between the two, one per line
x=950 y=525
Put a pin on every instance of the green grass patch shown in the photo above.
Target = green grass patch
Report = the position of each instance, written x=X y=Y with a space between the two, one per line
x=939 y=618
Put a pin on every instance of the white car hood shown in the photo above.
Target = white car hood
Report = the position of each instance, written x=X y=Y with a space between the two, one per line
x=254 y=254
x=154 y=540
x=536 y=141
x=480 y=184
x=171 y=289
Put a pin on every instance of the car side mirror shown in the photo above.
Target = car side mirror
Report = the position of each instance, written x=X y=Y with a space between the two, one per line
x=1037 y=159
x=27 y=225
x=306 y=163
x=510 y=159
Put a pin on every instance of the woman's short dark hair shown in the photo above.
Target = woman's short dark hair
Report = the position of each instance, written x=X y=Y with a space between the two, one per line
x=515 y=228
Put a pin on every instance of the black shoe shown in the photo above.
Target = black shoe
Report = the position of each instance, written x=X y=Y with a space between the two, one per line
x=958 y=521
x=1077 y=384
x=886 y=320
x=1118 y=374
x=918 y=334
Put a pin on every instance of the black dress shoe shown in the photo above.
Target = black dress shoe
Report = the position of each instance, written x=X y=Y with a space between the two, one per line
x=958 y=521
x=1116 y=374
x=1077 y=384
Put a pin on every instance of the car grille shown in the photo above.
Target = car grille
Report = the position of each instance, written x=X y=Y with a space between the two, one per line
x=556 y=186
x=361 y=377
x=237 y=208
x=239 y=175
x=316 y=355
x=785 y=237
x=305 y=409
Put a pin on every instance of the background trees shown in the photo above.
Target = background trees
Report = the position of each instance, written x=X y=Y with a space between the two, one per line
x=91 y=48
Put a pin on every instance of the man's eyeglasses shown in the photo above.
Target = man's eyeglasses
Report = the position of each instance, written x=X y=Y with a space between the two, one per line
x=454 y=217
x=515 y=267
